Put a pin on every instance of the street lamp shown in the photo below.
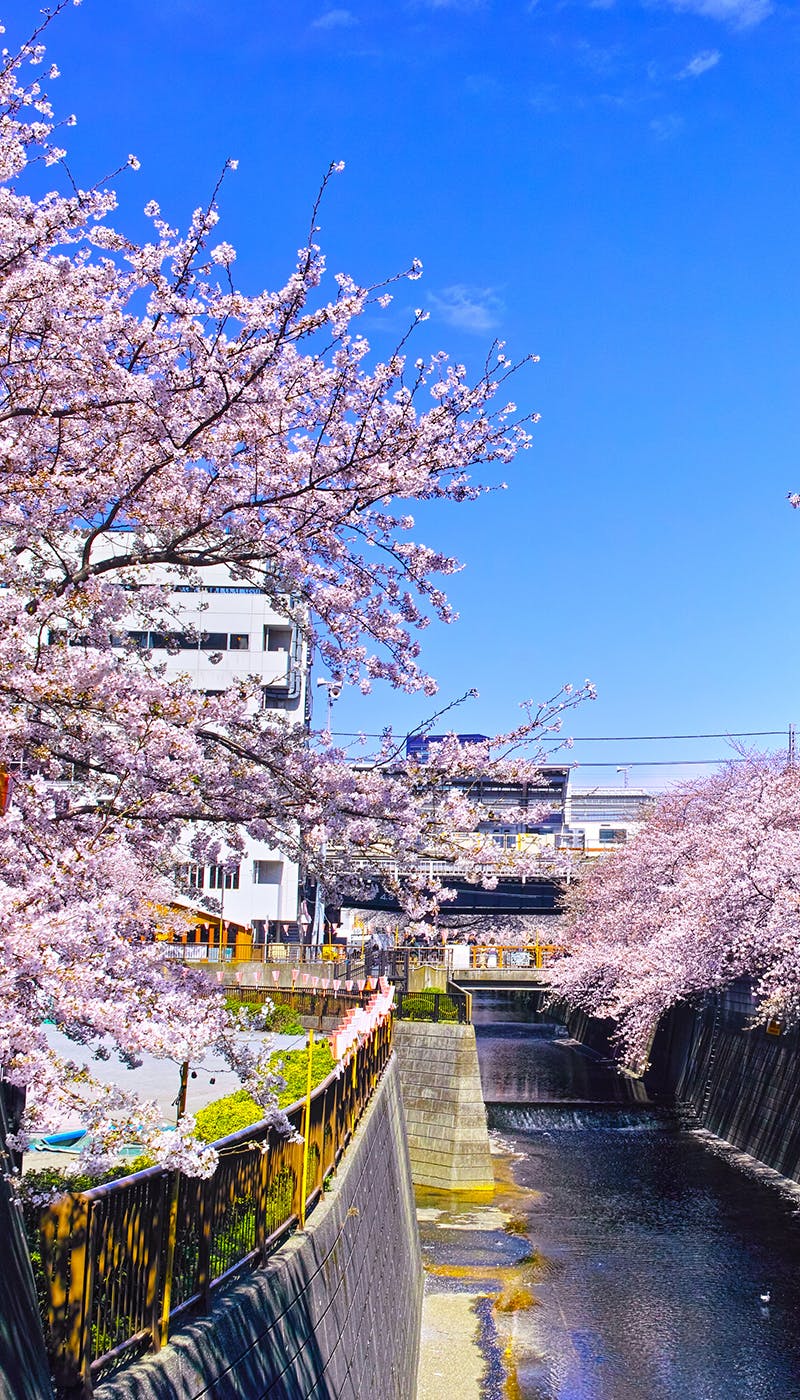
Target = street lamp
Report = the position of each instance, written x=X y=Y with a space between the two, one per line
x=334 y=689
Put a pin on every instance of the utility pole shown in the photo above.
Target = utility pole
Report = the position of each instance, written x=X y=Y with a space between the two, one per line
x=792 y=746
x=334 y=690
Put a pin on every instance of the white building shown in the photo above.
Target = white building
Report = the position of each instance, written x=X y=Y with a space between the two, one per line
x=228 y=629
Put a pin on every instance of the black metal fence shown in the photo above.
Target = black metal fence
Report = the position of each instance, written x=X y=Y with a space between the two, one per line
x=452 y=1005
x=305 y=1001
x=124 y=1262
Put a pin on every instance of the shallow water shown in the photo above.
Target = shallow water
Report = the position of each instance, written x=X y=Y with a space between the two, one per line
x=650 y=1252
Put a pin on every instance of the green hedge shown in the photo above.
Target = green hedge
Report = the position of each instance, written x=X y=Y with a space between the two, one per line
x=281 y=1019
x=236 y=1111
x=418 y=1006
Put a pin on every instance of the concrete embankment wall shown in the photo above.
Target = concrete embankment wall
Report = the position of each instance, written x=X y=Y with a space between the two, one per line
x=334 y=1315
x=448 y=1140
x=742 y=1084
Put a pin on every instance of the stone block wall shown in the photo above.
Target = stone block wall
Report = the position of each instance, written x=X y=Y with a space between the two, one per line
x=448 y=1141
x=334 y=1314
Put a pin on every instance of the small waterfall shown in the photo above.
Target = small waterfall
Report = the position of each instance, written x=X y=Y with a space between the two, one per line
x=579 y=1117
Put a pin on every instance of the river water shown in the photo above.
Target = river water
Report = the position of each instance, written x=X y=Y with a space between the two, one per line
x=648 y=1253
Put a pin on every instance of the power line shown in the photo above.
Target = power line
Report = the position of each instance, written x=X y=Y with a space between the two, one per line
x=613 y=738
x=659 y=762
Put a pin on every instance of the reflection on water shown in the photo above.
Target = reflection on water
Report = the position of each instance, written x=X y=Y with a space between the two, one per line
x=654 y=1252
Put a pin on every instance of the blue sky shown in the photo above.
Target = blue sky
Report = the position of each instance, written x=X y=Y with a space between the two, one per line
x=614 y=186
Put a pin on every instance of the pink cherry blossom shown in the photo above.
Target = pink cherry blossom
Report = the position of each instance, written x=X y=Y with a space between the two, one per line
x=707 y=892
x=154 y=416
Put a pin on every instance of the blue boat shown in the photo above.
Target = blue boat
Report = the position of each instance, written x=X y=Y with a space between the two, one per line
x=64 y=1139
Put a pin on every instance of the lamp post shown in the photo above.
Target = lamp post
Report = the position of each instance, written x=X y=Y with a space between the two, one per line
x=334 y=690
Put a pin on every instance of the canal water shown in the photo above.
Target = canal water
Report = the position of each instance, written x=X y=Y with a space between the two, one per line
x=650 y=1267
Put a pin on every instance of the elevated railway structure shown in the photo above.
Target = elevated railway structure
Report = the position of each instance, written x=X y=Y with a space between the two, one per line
x=540 y=892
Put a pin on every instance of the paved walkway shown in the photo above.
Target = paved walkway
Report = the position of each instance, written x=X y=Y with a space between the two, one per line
x=154 y=1079
x=451 y=1364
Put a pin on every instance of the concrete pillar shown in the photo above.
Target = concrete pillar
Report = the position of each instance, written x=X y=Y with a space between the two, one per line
x=448 y=1141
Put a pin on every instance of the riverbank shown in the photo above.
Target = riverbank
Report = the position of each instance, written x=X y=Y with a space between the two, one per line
x=480 y=1275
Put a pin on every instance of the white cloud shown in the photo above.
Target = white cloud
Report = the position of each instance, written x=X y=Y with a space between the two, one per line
x=476 y=309
x=451 y=4
x=742 y=14
x=701 y=63
x=335 y=19
x=667 y=128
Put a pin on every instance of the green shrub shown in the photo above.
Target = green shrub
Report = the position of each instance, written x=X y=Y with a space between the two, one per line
x=236 y=1111
x=279 y=1018
x=227 y=1115
x=418 y=1006
x=293 y=1066
x=284 y=1020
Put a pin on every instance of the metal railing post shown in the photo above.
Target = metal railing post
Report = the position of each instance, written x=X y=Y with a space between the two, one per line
x=306 y=1133
x=169 y=1266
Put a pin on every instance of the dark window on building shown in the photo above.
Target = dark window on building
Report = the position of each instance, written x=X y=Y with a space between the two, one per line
x=191 y=876
x=214 y=641
x=220 y=878
x=267 y=872
x=240 y=641
x=277 y=638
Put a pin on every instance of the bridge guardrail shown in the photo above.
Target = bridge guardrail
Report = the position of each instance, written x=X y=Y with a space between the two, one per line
x=335 y=959
x=458 y=958
x=124 y=1261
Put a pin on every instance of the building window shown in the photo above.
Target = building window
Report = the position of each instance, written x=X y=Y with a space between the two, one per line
x=240 y=641
x=277 y=638
x=221 y=878
x=191 y=876
x=214 y=641
x=267 y=872
x=572 y=839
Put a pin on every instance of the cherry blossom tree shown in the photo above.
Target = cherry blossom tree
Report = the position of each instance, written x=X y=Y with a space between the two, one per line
x=708 y=891
x=157 y=421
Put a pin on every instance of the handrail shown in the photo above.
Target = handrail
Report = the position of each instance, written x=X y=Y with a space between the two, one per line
x=105 y=1251
x=458 y=958
x=306 y=1001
